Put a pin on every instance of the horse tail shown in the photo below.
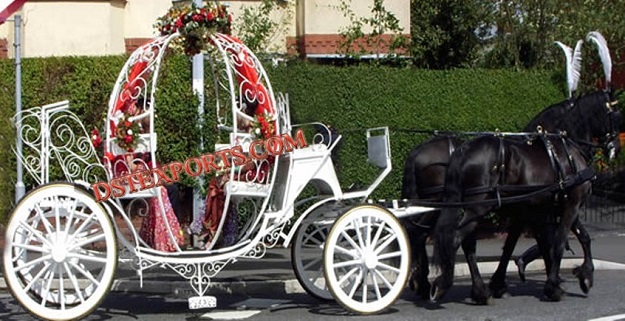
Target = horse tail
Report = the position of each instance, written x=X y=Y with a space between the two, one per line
x=409 y=183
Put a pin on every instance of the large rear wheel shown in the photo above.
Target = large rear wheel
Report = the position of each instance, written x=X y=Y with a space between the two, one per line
x=60 y=254
x=307 y=255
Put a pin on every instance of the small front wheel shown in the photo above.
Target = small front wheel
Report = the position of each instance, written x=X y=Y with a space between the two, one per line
x=366 y=259
x=60 y=254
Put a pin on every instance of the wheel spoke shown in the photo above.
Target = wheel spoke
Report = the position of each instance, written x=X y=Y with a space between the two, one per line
x=29 y=264
x=347 y=276
x=92 y=239
x=88 y=258
x=37 y=277
x=82 y=226
x=46 y=291
x=311 y=263
x=310 y=238
x=70 y=217
x=378 y=233
x=387 y=242
x=347 y=263
x=317 y=276
x=350 y=241
x=342 y=250
x=57 y=216
x=356 y=284
x=376 y=286
x=33 y=248
x=37 y=234
x=389 y=255
x=368 y=239
x=388 y=267
x=358 y=228
x=364 y=287
x=61 y=288
x=74 y=281
x=384 y=279
x=44 y=220
x=87 y=274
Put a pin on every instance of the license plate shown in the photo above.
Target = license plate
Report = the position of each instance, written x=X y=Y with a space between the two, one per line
x=200 y=302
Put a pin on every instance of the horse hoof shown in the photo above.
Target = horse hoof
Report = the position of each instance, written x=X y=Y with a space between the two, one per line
x=501 y=294
x=424 y=291
x=554 y=293
x=481 y=297
x=585 y=278
x=521 y=265
x=585 y=284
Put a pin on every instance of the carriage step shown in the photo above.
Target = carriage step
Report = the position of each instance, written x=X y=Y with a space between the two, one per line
x=202 y=302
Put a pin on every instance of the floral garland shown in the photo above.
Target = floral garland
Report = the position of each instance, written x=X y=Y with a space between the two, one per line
x=195 y=24
x=127 y=133
x=263 y=126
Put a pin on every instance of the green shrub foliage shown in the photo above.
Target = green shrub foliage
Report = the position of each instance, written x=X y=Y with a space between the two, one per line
x=349 y=98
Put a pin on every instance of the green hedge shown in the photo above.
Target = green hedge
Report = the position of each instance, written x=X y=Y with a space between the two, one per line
x=349 y=98
x=358 y=97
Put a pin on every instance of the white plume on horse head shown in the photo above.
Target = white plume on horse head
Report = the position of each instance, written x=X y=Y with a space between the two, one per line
x=573 y=65
x=604 y=54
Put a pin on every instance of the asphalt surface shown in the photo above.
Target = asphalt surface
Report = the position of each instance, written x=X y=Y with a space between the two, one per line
x=274 y=273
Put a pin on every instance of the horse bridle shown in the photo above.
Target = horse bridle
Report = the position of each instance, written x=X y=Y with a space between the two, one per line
x=609 y=139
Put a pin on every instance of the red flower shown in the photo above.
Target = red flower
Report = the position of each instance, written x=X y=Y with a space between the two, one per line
x=210 y=16
x=196 y=18
x=128 y=139
x=96 y=140
x=127 y=123
x=179 y=23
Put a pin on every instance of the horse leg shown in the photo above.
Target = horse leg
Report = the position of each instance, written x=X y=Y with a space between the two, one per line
x=447 y=239
x=498 y=284
x=531 y=254
x=584 y=272
x=418 y=233
x=479 y=293
x=552 y=290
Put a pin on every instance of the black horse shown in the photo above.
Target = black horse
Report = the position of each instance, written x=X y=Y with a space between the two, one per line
x=424 y=179
x=488 y=169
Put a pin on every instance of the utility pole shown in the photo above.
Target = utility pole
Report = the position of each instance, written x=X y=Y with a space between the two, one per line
x=20 y=188
x=198 y=87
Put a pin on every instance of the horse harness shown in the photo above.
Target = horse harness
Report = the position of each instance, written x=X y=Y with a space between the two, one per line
x=560 y=186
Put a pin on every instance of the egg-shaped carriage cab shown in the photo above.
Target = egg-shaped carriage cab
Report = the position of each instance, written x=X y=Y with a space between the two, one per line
x=246 y=109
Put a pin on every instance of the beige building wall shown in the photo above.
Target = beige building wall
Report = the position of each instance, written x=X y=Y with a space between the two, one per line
x=59 y=28
x=109 y=27
x=326 y=17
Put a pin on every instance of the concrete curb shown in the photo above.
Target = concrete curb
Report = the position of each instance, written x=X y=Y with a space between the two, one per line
x=291 y=286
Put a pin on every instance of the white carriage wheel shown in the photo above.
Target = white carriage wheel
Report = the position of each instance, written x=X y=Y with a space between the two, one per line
x=366 y=259
x=60 y=254
x=307 y=255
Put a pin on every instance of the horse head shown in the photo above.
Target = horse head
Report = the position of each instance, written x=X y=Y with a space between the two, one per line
x=598 y=119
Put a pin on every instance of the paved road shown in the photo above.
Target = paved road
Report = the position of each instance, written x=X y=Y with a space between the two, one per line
x=264 y=291
x=605 y=299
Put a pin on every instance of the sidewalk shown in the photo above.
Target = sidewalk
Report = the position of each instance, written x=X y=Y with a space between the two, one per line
x=274 y=274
